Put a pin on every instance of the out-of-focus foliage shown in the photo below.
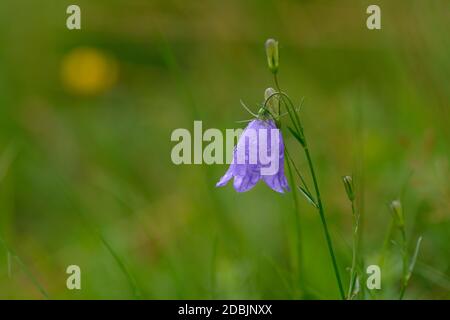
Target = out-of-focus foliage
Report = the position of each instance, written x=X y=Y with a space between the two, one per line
x=85 y=123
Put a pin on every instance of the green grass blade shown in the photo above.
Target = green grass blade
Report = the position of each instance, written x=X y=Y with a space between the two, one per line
x=308 y=197
x=299 y=274
x=414 y=258
x=135 y=289
x=297 y=136
x=25 y=269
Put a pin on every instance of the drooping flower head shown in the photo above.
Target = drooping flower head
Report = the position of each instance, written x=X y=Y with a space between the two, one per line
x=258 y=155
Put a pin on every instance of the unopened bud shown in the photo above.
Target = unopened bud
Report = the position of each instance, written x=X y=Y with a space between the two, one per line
x=348 y=184
x=272 y=55
x=397 y=211
x=271 y=100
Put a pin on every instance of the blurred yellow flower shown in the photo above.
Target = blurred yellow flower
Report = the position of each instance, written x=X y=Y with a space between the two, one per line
x=88 y=71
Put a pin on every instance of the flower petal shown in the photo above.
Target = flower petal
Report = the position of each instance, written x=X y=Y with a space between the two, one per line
x=283 y=180
x=226 y=177
x=247 y=180
x=246 y=174
x=273 y=182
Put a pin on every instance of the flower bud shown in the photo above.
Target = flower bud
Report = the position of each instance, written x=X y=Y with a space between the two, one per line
x=274 y=101
x=348 y=184
x=272 y=55
x=397 y=211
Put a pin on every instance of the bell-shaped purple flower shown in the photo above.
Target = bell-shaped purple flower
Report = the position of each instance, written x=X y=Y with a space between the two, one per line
x=259 y=154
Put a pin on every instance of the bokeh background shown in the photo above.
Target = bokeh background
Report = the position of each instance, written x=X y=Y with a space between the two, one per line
x=85 y=122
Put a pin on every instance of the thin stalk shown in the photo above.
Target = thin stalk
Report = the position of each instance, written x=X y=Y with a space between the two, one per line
x=353 y=272
x=324 y=222
x=411 y=266
x=386 y=243
x=299 y=127
x=298 y=241
x=405 y=263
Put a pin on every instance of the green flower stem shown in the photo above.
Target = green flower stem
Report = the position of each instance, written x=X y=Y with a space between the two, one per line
x=299 y=128
x=324 y=222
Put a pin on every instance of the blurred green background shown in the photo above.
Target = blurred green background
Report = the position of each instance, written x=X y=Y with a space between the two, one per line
x=85 y=122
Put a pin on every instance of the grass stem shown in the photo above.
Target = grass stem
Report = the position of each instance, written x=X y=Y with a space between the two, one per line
x=353 y=272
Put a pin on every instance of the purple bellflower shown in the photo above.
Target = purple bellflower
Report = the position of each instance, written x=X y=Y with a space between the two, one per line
x=259 y=154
